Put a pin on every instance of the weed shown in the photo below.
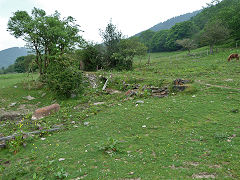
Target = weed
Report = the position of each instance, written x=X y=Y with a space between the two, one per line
x=109 y=146
x=61 y=173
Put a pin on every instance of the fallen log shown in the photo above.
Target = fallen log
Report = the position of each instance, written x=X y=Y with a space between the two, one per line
x=28 y=133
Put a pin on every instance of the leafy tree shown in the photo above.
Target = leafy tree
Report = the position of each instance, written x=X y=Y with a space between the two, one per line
x=127 y=50
x=214 y=32
x=111 y=37
x=91 y=57
x=24 y=64
x=146 y=38
x=180 y=31
x=46 y=36
x=187 y=44
x=63 y=77
x=119 y=52
x=158 y=43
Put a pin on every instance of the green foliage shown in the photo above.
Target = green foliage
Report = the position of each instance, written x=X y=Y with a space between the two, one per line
x=109 y=146
x=146 y=37
x=63 y=78
x=111 y=37
x=25 y=64
x=91 y=57
x=47 y=36
x=119 y=52
x=61 y=173
x=15 y=144
x=158 y=42
x=213 y=33
x=187 y=44
x=127 y=49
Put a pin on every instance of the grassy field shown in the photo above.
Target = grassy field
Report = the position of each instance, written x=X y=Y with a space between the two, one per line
x=189 y=134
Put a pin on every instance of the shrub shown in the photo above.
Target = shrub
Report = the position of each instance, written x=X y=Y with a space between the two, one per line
x=64 y=78
x=91 y=58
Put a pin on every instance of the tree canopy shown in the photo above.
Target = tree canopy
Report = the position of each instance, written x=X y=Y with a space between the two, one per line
x=46 y=35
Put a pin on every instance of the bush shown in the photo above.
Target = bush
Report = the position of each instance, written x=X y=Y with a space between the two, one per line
x=91 y=58
x=63 y=78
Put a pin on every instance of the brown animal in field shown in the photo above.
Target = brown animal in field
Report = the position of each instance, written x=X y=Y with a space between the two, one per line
x=232 y=56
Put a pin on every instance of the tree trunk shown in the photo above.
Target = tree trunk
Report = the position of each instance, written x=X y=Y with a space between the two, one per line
x=211 y=49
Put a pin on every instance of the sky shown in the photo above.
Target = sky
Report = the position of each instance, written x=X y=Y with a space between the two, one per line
x=130 y=16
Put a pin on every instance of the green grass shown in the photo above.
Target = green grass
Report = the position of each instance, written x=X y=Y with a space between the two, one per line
x=189 y=134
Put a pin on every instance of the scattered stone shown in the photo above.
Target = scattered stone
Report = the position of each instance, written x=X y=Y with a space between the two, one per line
x=11 y=116
x=2 y=143
x=139 y=102
x=43 y=139
x=159 y=92
x=45 y=111
x=194 y=96
x=131 y=93
x=203 y=175
x=12 y=104
x=180 y=84
x=29 y=98
x=43 y=94
x=112 y=91
x=86 y=123
x=144 y=126
x=15 y=86
x=98 y=103
x=73 y=122
x=92 y=80
x=61 y=159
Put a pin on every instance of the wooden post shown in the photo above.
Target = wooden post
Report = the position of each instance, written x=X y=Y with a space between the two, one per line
x=149 y=59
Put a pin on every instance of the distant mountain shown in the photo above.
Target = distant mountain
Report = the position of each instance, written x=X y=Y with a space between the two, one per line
x=8 y=56
x=171 y=22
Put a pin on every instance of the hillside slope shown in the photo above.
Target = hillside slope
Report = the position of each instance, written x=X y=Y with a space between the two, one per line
x=8 y=56
x=171 y=22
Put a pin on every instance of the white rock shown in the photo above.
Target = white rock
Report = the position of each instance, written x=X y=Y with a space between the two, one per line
x=139 y=102
x=61 y=159
x=144 y=126
x=29 y=97
x=86 y=123
x=98 y=103
x=12 y=104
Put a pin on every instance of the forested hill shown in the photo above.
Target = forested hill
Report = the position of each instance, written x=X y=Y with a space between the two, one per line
x=8 y=56
x=171 y=22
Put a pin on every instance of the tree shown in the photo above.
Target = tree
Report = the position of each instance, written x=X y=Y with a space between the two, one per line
x=158 y=43
x=146 y=38
x=181 y=30
x=90 y=57
x=47 y=36
x=119 y=52
x=111 y=37
x=127 y=50
x=24 y=64
x=214 y=32
x=187 y=44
